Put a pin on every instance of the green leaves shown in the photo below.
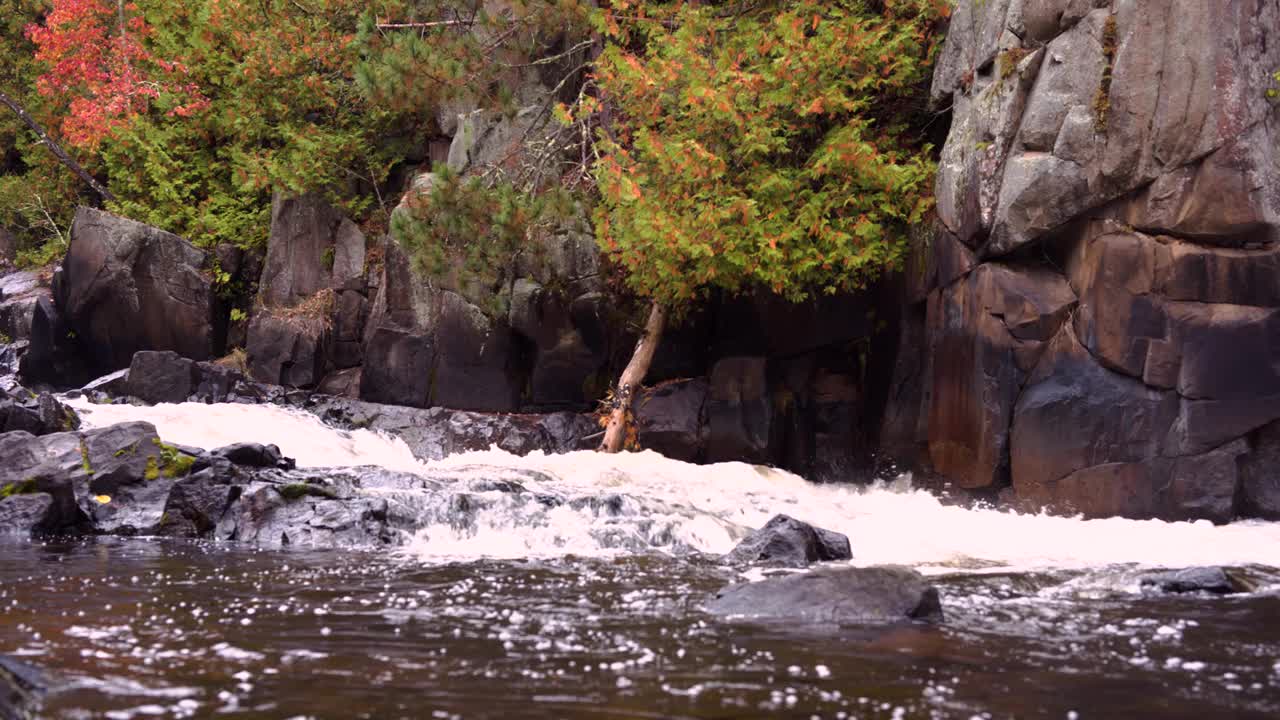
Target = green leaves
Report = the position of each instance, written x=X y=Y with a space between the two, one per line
x=763 y=148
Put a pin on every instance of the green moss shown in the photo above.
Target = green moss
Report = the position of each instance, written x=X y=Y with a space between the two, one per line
x=1009 y=60
x=173 y=462
x=153 y=469
x=297 y=491
x=84 y=458
x=127 y=450
x=26 y=487
x=70 y=420
x=326 y=258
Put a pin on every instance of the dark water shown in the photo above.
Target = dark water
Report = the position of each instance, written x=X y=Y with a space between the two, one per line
x=142 y=628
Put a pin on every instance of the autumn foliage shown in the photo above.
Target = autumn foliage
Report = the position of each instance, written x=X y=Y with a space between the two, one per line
x=763 y=147
x=100 y=70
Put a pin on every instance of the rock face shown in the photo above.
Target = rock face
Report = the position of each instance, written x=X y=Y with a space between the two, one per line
x=841 y=596
x=126 y=287
x=787 y=542
x=312 y=295
x=1103 y=301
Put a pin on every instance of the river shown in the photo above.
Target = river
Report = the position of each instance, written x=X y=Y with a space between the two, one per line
x=593 y=609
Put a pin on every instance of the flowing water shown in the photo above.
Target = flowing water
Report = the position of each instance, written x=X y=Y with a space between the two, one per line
x=593 y=609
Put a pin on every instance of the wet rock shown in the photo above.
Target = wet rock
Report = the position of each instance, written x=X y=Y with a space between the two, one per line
x=669 y=418
x=127 y=287
x=787 y=542
x=160 y=377
x=21 y=689
x=1214 y=580
x=254 y=455
x=434 y=433
x=110 y=385
x=831 y=595
x=108 y=480
x=342 y=383
x=41 y=414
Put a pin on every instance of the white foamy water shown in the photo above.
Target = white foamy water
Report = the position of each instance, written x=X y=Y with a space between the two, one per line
x=708 y=507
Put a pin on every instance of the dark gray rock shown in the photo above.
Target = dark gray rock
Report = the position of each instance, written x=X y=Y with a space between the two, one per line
x=397 y=368
x=832 y=595
x=342 y=383
x=287 y=350
x=160 y=377
x=41 y=414
x=126 y=463
x=669 y=418
x=52 y=355
x=1260 y=474
x=787 y=542
x=126 y=287
x=312 y=247
x=254 y=455
x=1214 y=580
x=19 y=293
x=739 y=411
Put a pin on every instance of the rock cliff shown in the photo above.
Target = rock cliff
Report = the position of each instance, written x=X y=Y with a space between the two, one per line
x=1103 y=303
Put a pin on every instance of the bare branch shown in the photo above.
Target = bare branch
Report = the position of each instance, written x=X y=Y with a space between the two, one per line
x=55 y=148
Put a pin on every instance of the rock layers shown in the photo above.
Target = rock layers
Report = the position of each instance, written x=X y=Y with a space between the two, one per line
x=1103 y=315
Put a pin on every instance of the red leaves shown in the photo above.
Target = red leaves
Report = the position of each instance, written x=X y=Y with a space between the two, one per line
x=101 y=71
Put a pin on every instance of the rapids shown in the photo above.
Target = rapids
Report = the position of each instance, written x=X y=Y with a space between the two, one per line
x=889 y=522
x=590 y=610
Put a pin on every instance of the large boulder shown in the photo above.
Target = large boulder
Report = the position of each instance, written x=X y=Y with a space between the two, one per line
x=787 y=542
x=160 y=377
x=289 y=347
x=669 y=419
x=832 y=596
x=313 y=246
x=126 y=287
x=427 y=346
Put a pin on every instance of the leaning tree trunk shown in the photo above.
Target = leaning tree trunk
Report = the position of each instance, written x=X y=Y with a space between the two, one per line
x=615 y=433
x=54 y=147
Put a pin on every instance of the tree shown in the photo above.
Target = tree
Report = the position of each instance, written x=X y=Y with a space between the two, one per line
x=760 y=144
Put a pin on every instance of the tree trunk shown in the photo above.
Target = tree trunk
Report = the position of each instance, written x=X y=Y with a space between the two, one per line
x=54 y=147
x=615 y=433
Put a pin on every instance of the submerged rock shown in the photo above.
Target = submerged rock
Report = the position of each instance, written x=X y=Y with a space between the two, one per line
x=839 y=595
x=787 y=542
x=1215 y=580
x=21 y=687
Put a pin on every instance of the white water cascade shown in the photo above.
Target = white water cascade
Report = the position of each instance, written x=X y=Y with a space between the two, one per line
x=706 y=507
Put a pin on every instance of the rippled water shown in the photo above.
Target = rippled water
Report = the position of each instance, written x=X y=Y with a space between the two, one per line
x=595 y=610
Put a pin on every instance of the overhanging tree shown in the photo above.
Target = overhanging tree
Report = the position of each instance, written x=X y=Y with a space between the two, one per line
x=764 y=144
